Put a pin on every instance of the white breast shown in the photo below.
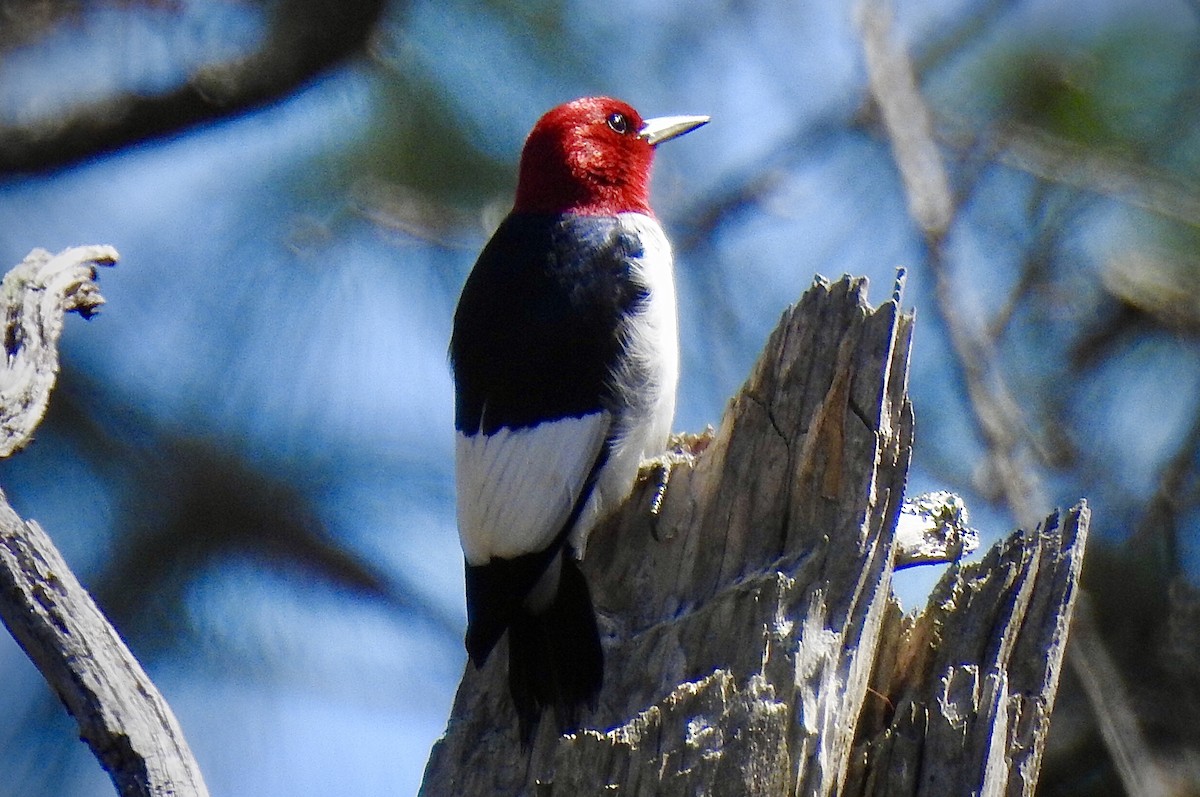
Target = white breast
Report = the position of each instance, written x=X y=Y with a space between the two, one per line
x=652 y=351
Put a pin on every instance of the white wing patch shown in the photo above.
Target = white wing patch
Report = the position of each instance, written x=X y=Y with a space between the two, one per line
x=516 y=488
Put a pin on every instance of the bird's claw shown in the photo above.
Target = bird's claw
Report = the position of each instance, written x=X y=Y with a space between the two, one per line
x=660 y=470
x=682 y=449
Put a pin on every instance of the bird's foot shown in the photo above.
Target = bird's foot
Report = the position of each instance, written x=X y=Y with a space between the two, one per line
x=682 y=448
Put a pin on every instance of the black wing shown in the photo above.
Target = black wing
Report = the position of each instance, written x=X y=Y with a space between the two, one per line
x=535 y=334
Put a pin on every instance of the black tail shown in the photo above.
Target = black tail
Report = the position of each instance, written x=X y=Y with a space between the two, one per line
x=554 y=657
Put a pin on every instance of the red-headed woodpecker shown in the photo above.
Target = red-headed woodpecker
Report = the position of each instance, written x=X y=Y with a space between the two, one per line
x=565 y=355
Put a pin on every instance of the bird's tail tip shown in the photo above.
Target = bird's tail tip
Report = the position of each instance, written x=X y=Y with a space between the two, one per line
x=555 y=657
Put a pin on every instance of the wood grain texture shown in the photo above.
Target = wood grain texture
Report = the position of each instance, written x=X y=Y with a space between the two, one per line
x=753 y=646
x=963 y=690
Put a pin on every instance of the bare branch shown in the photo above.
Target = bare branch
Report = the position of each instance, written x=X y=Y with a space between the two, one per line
x=996 y=412
x=907 y=122
x=305 y=39
x=121 y=716
x=35 y=296
x=933 y=528
x=120 y=713
x=1118 y=722
x=1102 y=172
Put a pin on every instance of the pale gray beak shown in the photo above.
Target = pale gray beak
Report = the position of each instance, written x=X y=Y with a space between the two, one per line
x=664 y=128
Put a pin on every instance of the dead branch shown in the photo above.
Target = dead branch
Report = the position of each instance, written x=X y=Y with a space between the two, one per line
x=1012 y=474
x=120 y=713
x=304 y=40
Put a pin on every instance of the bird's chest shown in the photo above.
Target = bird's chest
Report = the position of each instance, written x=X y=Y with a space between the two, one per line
x=647 y=372
x=643 y=379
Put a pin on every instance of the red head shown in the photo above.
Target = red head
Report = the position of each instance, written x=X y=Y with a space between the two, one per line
x=593 y=156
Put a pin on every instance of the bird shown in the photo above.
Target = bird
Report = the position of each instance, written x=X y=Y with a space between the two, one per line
x=565 y=358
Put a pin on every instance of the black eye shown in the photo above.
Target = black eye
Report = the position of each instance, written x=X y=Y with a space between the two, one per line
x=619 y=123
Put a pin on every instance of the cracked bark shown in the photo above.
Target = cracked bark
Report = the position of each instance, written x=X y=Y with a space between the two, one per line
x=752 y=643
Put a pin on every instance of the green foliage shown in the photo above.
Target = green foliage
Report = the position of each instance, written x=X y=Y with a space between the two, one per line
x=1126 y=89
x=416 y=139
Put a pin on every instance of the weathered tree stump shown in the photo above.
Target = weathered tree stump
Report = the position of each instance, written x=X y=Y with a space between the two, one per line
x=752 y=643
